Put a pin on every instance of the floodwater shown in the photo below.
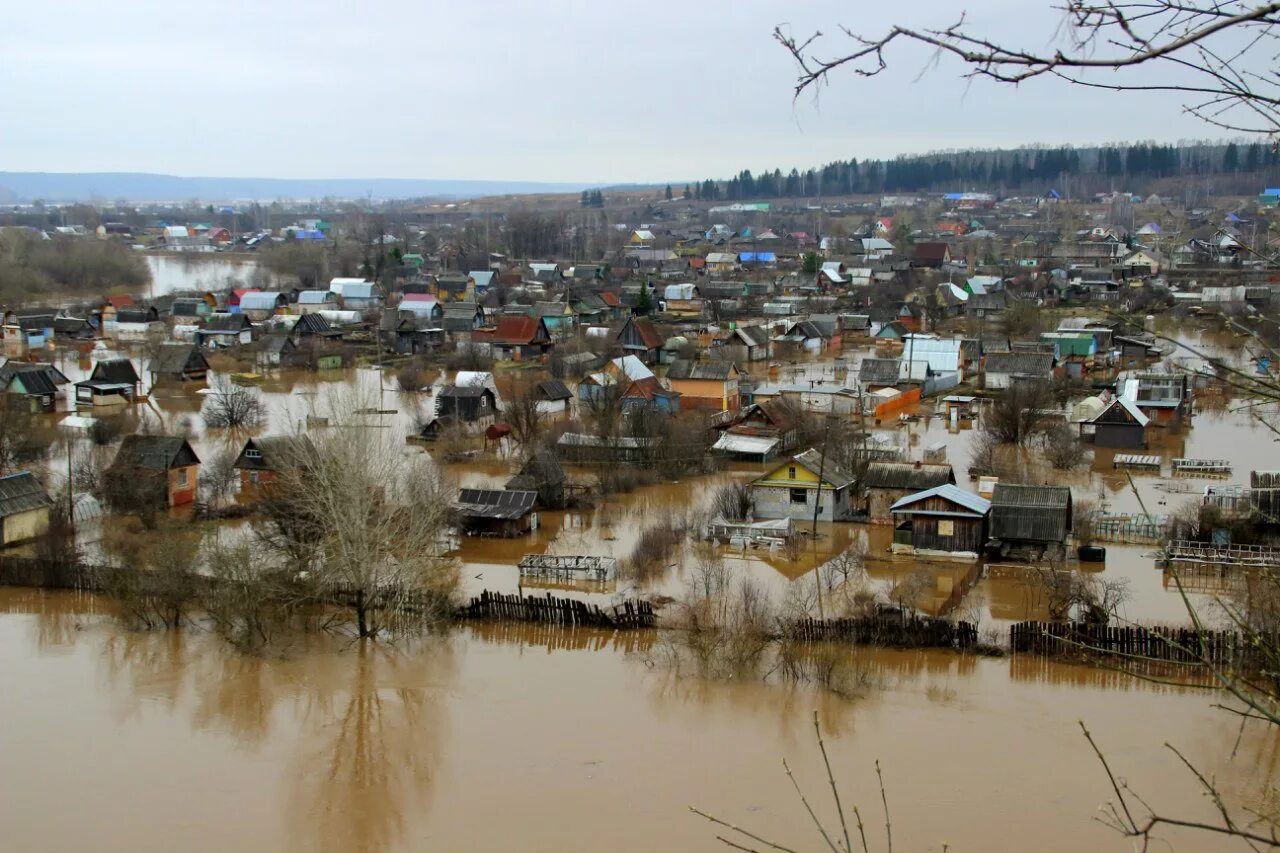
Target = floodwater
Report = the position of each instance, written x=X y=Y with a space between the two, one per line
x=177 y=272
x=507 y=737
x=1223 y=430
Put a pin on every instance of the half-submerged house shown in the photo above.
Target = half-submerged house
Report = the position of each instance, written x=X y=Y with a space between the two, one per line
x=24 y=508
x=153 y=470
x=794 y=488
x=496 y=512
x=945 y=521
x=1121 y=424
x=886 y=483
x=1030 y=521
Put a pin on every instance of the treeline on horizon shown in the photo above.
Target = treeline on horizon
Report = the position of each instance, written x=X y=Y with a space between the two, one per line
x=1040 y=168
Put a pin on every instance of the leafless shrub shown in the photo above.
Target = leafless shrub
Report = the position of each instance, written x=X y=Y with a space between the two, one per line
x=1020 y=413
x=412 y=377
x=469 y=357
x=908 y=591
x=732 y=501
x=654 y=548
x=232 y=405
x=1062 y=447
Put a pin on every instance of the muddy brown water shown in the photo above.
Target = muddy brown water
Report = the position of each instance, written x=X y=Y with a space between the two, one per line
x=508 y=737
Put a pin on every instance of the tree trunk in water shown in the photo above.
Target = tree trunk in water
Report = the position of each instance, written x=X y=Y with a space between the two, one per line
x=362 y=624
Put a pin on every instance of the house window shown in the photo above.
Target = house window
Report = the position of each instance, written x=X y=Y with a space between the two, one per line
x=791 y=473
x=799 y=496
x=182 y=477
x=946 y=527
x=253 y=477
x=253 y=453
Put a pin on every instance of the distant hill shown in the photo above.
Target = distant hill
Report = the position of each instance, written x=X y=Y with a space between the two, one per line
x=142 y=186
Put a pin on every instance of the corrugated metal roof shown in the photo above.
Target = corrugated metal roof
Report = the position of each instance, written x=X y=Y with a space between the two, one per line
x=946 y=491
x=1030 y=513
x=907 y=475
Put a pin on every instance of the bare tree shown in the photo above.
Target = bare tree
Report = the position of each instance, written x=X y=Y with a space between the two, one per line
x=367 y=524
x=1020 y=413
x=520 y=412
x=1062 y=447
x=1213 y=53
x=232 y=405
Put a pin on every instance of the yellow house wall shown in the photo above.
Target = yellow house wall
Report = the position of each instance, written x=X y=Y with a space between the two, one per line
x=781 y=477
x=26 y=525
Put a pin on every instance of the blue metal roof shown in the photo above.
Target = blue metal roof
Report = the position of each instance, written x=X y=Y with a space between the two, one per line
x=978 y=505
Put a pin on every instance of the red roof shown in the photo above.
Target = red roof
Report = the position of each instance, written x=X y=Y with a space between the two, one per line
x=697 y=263
x=611 y=299
x=515 y=330
x=120 y=301
x=648 y=388
x=239 y=292
x=648 y=334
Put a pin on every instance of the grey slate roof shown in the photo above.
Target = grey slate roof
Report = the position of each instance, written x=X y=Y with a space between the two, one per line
x=716 y=371
x=1030 y=513
x=879 y=371
x=830 y=472
x=1030 y=363
x=553 y=389
x=173 y=358
x=915 y=476
x=21 y=492
x=115 y=370
x=154 y=452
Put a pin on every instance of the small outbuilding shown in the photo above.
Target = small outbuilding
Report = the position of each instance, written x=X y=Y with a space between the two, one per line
x=1031 y=521
x=496 y=512
x=794 y=488
x=24 y=508
x=1121 y=424
x=886 y=483
x=945 y=521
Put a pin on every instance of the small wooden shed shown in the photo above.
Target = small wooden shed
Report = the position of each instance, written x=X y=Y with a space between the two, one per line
x=944 y=521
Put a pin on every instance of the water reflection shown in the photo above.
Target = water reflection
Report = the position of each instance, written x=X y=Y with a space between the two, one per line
x=367 y=721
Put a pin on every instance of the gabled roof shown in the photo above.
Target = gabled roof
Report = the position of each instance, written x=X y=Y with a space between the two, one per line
x=752 y=336
x=517 y=330
x=117 y=370
x=51 y=374
x=21 y=492
x=154 y=453
x=975 y=504
x=553 y=389
x=175 y=358
x=879 y=371
x=227 y=323
x=1125 y=404
x=315 y=297
x=830 y=473
x=1030 y=363
x=716 y=371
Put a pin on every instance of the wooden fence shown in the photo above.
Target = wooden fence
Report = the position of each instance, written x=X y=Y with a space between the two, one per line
x=49 y=573
x=558 y=611
x=888 y=629
x=1180 y=645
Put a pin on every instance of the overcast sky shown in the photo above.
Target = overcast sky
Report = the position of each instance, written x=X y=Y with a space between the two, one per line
x=545 y=90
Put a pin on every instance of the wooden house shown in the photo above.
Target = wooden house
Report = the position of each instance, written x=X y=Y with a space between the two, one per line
x=73 y=329
x=802 y=483
x=114 y=382
x=945 y=521
x=759 y=432
x=261 y=460
x=226 y=330
x=931 y=255
x=467 y=403
x=709 y=385
x=745 y=344
x=518 y=339
x=1031 y=521
x=638 y=337
x=552 y=397
x=36 y=383
x=24 y=508
x=314 y=301
x=886 y=483
x=1121 y=424
x=496 y=512
x=1165 y=398
x=179 y=362
x=155 y=470
x=258 y=305
x=1000 y=369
